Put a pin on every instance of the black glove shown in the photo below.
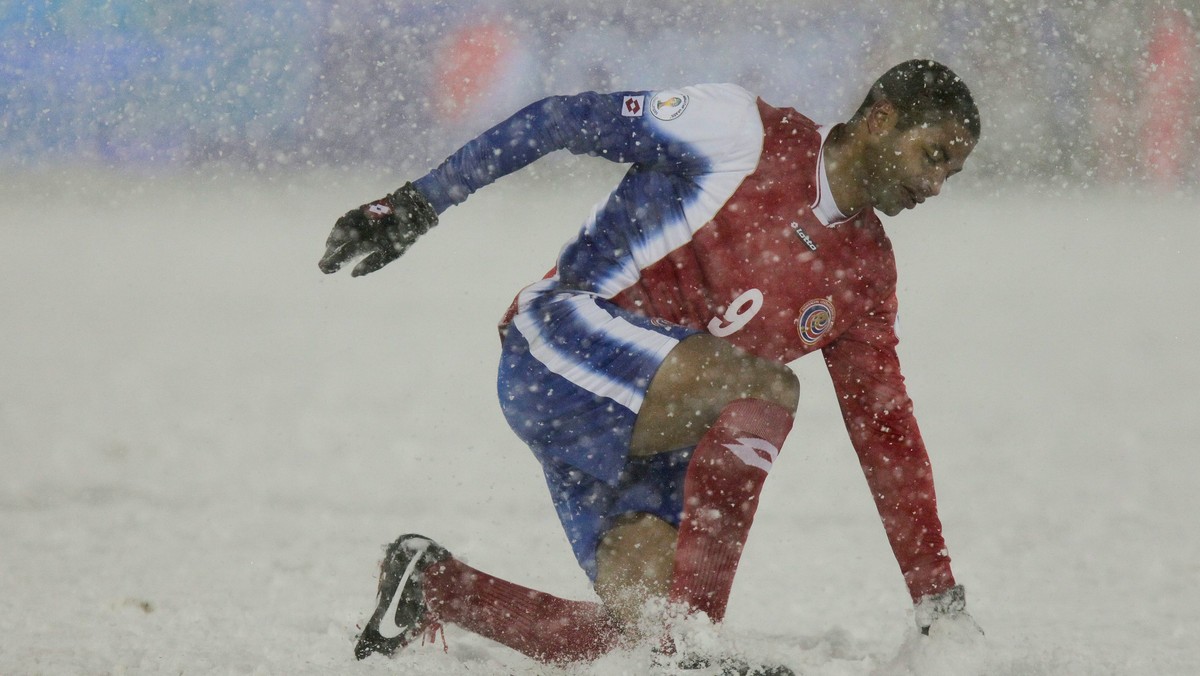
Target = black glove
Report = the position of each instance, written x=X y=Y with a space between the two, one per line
x=950 y=604
x=380 y=231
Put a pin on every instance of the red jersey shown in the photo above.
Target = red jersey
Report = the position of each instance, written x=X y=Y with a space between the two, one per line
x=725 y=223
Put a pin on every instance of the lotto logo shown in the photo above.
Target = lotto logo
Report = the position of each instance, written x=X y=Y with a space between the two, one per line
x=378 y=210
x=632 y=106
x=755 y=452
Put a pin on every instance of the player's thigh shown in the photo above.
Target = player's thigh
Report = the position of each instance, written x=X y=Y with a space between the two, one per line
x=573 y=376
x=699 y=377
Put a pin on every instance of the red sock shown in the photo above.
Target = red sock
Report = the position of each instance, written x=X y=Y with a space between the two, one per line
x=720 y=497
x=542 y=626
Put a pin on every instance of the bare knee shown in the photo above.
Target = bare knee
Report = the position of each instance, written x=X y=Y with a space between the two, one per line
x=696 y=381
x=634 y=562
x=774 y=382
x=709 y=367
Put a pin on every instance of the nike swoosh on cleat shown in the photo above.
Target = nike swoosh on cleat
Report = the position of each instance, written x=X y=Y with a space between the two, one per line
x=387 y=624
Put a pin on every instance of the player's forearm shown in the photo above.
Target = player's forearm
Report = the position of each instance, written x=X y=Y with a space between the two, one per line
x=554 y=123
x=878 y=416
x=901 y=482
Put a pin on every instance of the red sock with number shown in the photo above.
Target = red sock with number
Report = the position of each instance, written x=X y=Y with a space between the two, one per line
x=540 y=625
x=720 y=497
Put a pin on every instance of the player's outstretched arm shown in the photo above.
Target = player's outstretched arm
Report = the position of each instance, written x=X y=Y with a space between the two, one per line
x=379 y=231
x=865 y=370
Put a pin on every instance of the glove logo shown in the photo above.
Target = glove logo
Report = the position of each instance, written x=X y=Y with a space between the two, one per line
x=378 y=210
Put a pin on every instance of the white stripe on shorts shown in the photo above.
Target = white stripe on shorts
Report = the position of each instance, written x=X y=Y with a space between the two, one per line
x=577 y=371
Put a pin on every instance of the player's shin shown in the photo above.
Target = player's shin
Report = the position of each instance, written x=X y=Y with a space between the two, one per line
x=721 y=491
x=545 y=627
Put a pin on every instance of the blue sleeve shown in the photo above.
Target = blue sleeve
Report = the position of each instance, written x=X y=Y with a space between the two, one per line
x=611 y=126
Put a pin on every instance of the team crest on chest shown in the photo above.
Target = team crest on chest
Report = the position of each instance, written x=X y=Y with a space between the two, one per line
x=816 y=317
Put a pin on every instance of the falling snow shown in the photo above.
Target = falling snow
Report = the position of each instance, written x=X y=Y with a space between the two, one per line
x=205 y=442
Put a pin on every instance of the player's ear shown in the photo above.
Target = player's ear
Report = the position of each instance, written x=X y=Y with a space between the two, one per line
x=882 y=117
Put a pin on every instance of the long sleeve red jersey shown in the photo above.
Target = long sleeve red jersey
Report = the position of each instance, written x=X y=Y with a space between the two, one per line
x=725 y=223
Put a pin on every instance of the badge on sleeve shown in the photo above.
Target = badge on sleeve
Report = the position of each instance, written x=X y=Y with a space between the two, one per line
x=632 y=106
x=668 y=105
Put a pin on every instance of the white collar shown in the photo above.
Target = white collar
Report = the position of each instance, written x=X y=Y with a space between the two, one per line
x=825 y=208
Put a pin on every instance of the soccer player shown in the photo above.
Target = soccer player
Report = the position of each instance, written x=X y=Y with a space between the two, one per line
x=648 y=370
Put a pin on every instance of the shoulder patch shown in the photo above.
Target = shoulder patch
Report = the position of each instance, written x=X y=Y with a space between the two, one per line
x=668 y=105
x=632 y=106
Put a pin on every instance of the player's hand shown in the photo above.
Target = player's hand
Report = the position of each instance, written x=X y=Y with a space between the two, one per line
x=380 y=231
x=949 y=608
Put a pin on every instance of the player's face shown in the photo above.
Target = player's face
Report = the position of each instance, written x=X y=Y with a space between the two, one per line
x=907 y=167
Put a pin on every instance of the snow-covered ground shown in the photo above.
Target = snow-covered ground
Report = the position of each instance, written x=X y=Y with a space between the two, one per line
x=205 y=443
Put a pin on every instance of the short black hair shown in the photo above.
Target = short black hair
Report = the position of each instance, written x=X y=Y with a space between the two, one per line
x=924 y=91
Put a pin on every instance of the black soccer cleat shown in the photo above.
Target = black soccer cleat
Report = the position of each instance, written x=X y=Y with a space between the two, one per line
x=400 y=613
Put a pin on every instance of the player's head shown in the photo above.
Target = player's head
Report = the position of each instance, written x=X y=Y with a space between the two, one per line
x=920 y=123
x=924 y=92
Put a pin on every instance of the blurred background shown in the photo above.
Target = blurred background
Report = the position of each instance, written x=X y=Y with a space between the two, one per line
x=1074 y=93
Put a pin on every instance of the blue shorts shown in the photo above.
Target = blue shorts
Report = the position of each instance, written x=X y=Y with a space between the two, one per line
x=572 y=376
